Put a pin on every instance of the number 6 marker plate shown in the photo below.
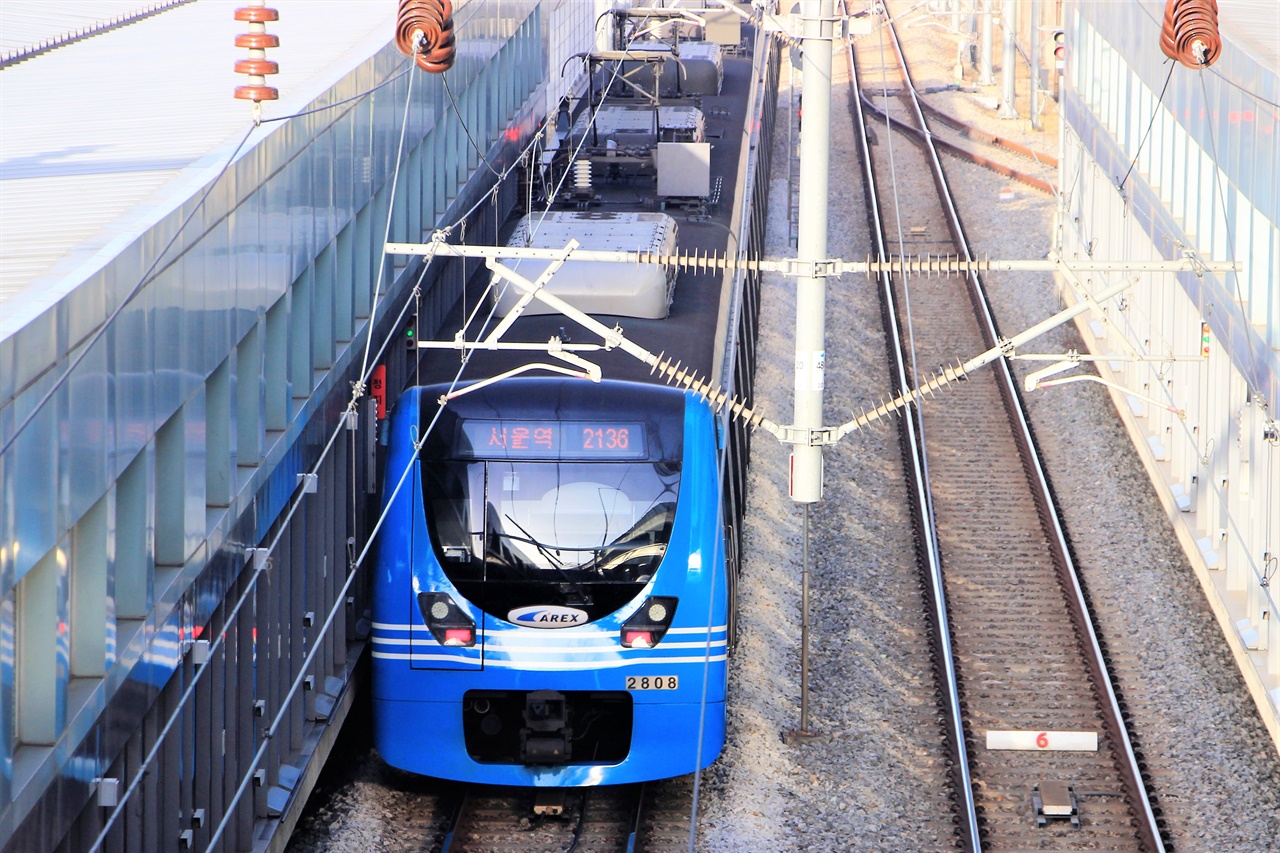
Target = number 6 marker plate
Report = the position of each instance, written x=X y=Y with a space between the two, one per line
x=1044 y=741
x=653 y=682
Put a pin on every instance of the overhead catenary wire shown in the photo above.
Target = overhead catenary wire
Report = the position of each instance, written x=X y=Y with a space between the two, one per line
x=358 y=561
x=1219 y=197
x=393 y=78
x=251 y=585
x=466 y=130
x=357 y=564
x=534 y=141
x=391 y=203
x=912 y=421
x=536 y=224
x=1155 y=111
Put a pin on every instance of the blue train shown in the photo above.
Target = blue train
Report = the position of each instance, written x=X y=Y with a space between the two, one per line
x=551 y=601
x=553 y=591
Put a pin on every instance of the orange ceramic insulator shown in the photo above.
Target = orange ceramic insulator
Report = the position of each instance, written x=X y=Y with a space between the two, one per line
x=257 y=41
x=257 y=67
x=1190 y=32
x=256 y=14
x=424 y=30
x=257 y=93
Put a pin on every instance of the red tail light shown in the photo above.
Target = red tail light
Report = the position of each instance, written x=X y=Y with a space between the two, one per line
x=448 y=623
x=459 y=637
x=637 y=639
x=649 y=625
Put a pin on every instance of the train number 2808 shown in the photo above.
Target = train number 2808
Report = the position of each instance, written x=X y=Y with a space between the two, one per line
x=653 y=682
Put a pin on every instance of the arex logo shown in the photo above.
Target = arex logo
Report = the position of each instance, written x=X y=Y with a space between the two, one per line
x=548 y=616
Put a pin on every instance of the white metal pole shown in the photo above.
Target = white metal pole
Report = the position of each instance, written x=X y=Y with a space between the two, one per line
x=985 y=74
x=815 y=145
x=1009 y=69
x=1034 y=59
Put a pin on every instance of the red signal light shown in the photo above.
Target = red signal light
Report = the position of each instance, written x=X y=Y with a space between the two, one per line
x=637 y=639
x=459 y=637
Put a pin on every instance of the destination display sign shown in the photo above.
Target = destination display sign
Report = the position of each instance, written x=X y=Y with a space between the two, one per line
x=521 y=439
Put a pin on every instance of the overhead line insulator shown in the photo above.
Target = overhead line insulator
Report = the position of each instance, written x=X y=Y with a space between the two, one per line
x=1190 y=32
x=424 y=30
x=257 y=66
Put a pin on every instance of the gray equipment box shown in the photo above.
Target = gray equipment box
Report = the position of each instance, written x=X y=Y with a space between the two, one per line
x=723 y=28
x=684 y=169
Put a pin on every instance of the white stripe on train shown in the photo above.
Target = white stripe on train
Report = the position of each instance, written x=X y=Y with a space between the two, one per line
x=544 y=633
x=554 y=666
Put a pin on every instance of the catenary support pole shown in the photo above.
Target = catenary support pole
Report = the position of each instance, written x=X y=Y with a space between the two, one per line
x=815 y=145
x=1033 y=58
x=1009 y=68
x=986 y=76
x=804 y=632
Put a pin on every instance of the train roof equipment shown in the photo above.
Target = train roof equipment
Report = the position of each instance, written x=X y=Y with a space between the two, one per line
x=694 y=68
x=618 y=289
x=634 y=126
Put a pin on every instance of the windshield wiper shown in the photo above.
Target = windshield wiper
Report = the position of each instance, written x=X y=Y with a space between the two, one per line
x=553 y=560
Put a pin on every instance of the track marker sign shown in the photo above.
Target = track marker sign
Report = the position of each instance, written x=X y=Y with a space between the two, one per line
x=1044 y=741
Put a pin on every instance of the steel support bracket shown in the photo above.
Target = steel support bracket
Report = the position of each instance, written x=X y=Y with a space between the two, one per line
x=774 y=24
x=1198 y=265
x=259 y=557
x=816 y=437
x=813 y=269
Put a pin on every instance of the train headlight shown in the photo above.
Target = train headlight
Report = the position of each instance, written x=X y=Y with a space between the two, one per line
x=647 y=628
x=447 y=622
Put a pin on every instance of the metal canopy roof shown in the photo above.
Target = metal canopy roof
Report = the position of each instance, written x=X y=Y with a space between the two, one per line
x=24 y=26
x=1253 y=25
x=103 y=136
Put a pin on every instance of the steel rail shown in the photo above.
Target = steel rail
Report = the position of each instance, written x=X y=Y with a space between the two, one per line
x=988 y=139
x=456 y=817
x=637 y=818
x=913 y=450
x=918 y=136
x=1148 y=830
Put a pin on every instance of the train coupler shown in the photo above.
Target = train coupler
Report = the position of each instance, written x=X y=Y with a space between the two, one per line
x=546 y=737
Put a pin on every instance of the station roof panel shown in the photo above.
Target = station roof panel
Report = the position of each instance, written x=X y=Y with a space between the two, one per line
x=104 y=135
x=1254 y=25
x=25 y=26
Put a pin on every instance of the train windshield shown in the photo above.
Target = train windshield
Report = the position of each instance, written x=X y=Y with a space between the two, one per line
x=584 y=534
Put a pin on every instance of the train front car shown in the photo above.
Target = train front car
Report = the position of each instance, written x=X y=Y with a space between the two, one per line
x=551 y=602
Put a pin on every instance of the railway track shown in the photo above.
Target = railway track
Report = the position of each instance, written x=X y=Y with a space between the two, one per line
x=1016 y=646
x=899 y=104
x=648 y=817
